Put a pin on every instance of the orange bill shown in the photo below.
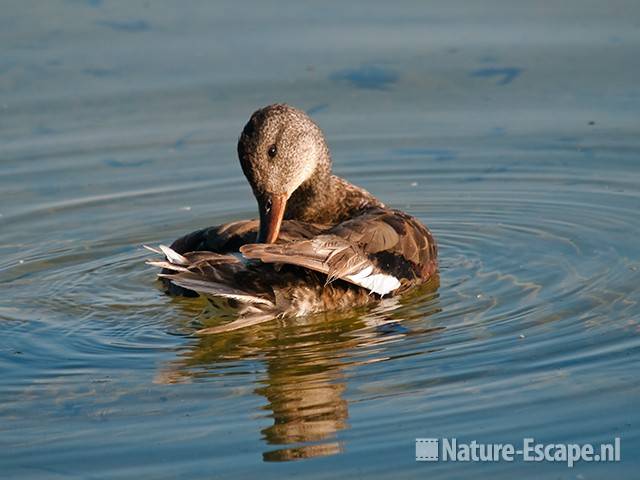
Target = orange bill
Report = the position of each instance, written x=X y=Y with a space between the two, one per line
x=271 y=214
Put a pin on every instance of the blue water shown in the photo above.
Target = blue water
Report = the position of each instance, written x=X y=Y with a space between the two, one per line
x=510 y=128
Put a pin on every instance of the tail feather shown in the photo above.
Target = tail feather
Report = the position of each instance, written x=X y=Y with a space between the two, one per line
x=173 y=256
x=215 y=289
x=167 y=265
x=184 y=271
x=154 y=250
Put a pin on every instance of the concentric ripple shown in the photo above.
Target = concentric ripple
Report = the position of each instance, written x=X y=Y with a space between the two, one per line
x=538 y=281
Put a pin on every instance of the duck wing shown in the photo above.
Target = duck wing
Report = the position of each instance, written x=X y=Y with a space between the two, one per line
x=381 y=250
x=220 y=240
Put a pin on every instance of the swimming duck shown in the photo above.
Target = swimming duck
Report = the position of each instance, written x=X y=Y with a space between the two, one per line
x=321 y=243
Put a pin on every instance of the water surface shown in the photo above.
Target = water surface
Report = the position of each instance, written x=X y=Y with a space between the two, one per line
x=510 y=129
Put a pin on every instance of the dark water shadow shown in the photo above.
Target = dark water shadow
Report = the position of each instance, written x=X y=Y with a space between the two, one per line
x=504 y=75
x=368 y=77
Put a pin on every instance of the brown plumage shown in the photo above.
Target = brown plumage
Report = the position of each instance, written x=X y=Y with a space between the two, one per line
x=321 y=243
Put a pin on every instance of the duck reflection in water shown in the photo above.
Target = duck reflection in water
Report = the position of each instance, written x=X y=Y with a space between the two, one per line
x=307 y=363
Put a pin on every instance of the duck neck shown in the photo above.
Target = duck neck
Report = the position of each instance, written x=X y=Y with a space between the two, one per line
x=328 y=199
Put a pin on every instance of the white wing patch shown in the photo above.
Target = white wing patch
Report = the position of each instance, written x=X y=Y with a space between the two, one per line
x=379 y=283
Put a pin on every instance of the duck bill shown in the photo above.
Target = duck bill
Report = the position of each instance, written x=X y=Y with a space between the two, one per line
x=271 y=215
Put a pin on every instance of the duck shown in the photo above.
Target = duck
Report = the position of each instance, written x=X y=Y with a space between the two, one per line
x=320 y=243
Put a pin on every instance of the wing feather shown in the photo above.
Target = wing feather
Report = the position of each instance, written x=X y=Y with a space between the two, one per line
x=328 y=254
x=215 y=289
x=378 y=250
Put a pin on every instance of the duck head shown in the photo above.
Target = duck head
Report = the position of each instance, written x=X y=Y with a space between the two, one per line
x=280 y=149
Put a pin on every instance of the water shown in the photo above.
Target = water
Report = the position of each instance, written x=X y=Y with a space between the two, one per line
x=510 y=129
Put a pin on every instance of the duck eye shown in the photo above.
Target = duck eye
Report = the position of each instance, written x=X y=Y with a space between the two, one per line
x=272 y=151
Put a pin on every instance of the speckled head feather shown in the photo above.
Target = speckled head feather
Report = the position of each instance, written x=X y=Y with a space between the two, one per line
x=281 y=148
x=285 y=157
